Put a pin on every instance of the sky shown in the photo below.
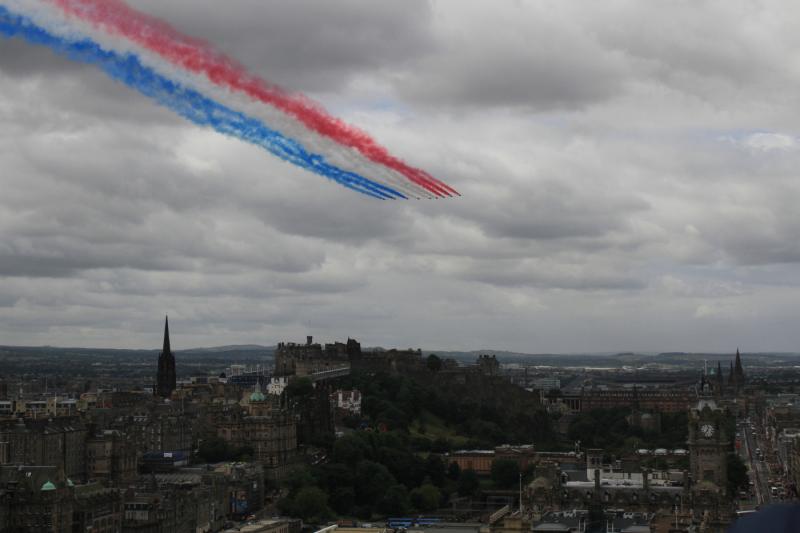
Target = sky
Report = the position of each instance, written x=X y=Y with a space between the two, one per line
x=628 y=173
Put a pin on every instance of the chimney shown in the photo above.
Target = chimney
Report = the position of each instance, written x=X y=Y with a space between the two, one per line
x=309 y=339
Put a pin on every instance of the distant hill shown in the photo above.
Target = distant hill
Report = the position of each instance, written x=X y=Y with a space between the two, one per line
x=231 y=348
x=240 y=353
x=257 y=353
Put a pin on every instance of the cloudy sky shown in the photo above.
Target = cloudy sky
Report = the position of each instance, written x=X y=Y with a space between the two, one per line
x=629 y=173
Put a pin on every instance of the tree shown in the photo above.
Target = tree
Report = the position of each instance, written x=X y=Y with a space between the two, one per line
x=395 y=502
x=350 y=449
x=298 y=478
x=441 y=445
x=453 y=471
x=434 y=362
x=468 y=483
x=737 y=474
x=311 y=504
x=434 y=469
x=299 y=388
x=372 y=482
x=214 y=450
x=244 y=453
x=505 y=473
x=426 y=497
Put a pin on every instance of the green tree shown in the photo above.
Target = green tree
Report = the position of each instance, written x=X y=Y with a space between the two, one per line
x=311 y=504
x=244 y=453
x=214 y=450
x=426 y=497
x=468 y=483
x=395 y=502
x=453 y=471
x=435 y=469
x=350 y=449
x=372 y=482
x=737 y=474
x=441 y=445
x=299 y=388
x=505 y=473
x=434 y=362
x=298 y=478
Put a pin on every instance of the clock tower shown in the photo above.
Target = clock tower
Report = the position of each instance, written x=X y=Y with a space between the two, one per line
x=709 y=446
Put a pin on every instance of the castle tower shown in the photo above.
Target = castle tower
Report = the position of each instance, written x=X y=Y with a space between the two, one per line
x=166 y=381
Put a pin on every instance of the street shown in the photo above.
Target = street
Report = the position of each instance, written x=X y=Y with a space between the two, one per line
x=751 y=441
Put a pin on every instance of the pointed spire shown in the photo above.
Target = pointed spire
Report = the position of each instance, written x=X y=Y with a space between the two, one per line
x=739 y=378
x=166 y=335
x=165 y=378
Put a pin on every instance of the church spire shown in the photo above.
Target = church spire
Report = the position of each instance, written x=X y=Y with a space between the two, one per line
x=739 y=372
x=166 y=336
x=165 y=379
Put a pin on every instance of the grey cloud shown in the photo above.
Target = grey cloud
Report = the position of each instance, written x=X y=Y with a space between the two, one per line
x=552 y=210
x=513 y=57
x=20 y=59
x=308 y=45
x=589 y=159
x=550 y=275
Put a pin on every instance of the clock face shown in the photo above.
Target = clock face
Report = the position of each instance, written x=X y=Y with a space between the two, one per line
x=707 y=430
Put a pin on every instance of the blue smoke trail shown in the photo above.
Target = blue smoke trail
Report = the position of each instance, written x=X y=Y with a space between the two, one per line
x=189 y=104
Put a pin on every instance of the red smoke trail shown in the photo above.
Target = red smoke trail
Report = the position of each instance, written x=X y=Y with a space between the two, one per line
x=197 y=56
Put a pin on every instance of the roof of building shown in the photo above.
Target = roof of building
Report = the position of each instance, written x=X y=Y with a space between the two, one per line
x=257 y=396
x=48 y=486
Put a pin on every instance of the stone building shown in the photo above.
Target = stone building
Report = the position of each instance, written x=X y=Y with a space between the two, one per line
x=347 y=400
x=97 y=509
x=165 y=427
x=390 y=361
x=34 y=499
x=266 y=427
x=709 y=445
x=171 y=509
x=489 y=365
x=58 y=442
x=245 y=487
x=733 y=386
x=293 y=359
x=111 y=457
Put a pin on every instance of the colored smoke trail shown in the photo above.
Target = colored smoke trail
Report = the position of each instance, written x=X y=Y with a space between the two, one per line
x=192 y=54
x=189 y=103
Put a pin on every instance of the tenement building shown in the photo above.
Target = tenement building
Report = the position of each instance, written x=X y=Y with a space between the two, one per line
x=59 y=442
x=266 y=427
